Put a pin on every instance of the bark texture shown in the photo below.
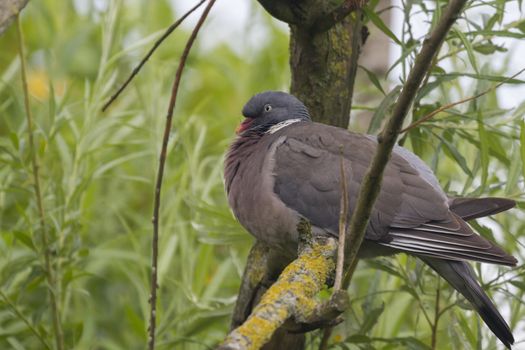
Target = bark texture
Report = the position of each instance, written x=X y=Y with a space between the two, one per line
x=8 y=10
x=291 y=296
x=323 y=65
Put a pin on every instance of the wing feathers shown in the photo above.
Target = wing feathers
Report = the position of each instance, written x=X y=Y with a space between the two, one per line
x=412 y=212
x=433 y=240
x=473 y=208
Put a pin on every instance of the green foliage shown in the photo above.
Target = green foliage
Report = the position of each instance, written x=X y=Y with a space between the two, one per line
x=98 y=175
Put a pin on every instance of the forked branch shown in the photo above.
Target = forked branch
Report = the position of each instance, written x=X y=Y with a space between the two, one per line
x=137 y=69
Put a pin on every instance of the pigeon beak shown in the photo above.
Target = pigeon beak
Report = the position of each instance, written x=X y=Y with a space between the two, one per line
x=244 y=125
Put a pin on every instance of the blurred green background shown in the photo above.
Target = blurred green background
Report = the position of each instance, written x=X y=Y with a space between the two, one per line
x=98 y=169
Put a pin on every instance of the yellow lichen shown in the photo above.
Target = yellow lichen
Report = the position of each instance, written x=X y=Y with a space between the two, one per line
x=292 y=295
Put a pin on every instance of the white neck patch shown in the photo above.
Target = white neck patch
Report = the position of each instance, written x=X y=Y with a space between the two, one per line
x=282 y=124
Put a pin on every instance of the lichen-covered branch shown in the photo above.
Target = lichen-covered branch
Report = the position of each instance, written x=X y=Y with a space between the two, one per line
x=325 y=314
x=372 y=182
x=291 y=296
x=255 y=272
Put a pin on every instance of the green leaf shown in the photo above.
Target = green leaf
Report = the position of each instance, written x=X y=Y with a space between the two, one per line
x=521 y=26
x=489 y=48
x=439 y=79
x=496 y=33
x=522 y=147
x=373 y=79
x=492 y=20
x=384 y=265
x=495 y=78
x=358 y=338
x=14 y=140
x=25 y=239
x=405 y=53
x=453 y=152
x=383 y=110
x=495 y=148
x=371 y=317
x=468 y=47
x=381 y=25
x=514 y=172
x=484 y=149
x=518 y=284
x=438 y=70
x=467 y=328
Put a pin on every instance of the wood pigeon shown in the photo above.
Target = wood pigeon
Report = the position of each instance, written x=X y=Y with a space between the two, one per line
x=283 y=167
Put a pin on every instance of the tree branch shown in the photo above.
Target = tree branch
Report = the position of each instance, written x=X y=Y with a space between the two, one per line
x=434 y=325
x=24 y=319
x=292 y=295
x=9 y=9
x=255 y=272
x=311 y=14
x=160 y=173
x=148 y=55
x=291 y=12
x=328 y=20
x=372 y=182
x=343 y=214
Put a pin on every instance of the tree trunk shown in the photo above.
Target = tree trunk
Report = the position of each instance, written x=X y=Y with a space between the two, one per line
x=323 y=66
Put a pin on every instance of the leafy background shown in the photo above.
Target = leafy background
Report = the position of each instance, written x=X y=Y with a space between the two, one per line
x=98 y=169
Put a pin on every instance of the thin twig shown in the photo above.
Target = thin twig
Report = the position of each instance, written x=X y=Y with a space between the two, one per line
x=339 y=267
x=148 y=55
x=343 y=212
x=160 y=173
x=436 y=316
x=370 y=187
x=25 y=320
x=327 y=333
x=450 y=105
x=446 y=308
x=292 y=295
x=50 y=276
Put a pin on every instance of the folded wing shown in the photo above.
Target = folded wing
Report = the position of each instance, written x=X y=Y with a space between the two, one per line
x=412 y=212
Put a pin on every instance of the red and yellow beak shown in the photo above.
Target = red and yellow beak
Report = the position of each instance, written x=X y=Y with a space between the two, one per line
x=244 y=125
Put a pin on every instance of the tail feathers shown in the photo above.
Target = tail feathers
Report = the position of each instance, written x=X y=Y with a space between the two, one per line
x=473 y=208
x=460 y=275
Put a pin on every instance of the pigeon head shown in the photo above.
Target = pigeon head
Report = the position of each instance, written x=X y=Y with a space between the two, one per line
x=269 y=108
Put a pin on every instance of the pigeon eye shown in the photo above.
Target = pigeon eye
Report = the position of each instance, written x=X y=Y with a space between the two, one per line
x=267 y=108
